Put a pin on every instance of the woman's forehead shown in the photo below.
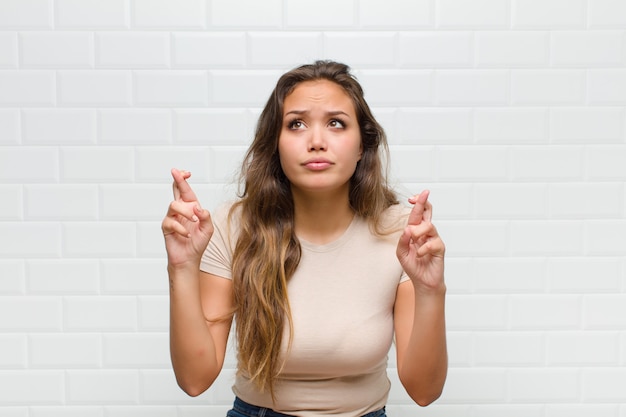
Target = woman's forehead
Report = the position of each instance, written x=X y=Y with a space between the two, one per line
x=318 y=93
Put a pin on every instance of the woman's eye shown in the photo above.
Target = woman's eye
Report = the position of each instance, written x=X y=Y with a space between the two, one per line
x=336 y=124
x=296 y=124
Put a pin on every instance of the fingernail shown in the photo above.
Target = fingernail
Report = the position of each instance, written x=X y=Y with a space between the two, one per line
x=194 y=218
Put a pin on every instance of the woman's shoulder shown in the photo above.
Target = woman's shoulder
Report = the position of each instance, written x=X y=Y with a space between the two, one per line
x=394 y=218
x=226 y=218
x=397 y=210
x=225 y=211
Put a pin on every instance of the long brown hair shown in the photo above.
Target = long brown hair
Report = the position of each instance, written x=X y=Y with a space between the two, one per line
x=267 y=251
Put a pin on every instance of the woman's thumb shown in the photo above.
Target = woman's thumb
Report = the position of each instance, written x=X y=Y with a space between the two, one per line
x=204 y=217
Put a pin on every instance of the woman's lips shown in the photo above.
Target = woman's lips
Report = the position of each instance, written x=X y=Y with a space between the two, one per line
x=317 y=164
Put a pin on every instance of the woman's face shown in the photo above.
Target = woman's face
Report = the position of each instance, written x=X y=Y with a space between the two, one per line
x=320 y=139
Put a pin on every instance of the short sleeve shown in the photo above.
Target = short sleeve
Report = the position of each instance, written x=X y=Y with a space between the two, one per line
x=218 y=256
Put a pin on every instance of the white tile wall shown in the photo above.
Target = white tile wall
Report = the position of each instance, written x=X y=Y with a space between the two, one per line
x=91 y=14
x=94 y=88
x=27 y=88
x=550 y=14
x=607 y=13
x=56 y=50
x=513 y=112
x=484 y=14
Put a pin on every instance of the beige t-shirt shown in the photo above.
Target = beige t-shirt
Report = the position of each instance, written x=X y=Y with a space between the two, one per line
x=342 y=296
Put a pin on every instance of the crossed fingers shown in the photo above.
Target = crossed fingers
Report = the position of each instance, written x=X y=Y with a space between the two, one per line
x=422 y=209
x=184 y=206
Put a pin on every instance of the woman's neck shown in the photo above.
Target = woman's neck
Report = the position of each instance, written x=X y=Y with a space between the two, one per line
x=322 y=219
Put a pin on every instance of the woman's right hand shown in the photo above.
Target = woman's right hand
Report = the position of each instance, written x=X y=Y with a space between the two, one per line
x=187 y=227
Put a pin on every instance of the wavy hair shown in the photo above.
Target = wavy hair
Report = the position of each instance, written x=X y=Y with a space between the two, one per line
x=267 y=251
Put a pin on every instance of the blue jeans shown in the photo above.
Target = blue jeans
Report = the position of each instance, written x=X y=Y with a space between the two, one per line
x=243 y=409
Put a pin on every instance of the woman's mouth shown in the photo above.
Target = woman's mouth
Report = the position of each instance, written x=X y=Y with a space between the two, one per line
x=317 y=164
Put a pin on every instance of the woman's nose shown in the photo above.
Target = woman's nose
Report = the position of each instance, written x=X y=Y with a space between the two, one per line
x=316 y=140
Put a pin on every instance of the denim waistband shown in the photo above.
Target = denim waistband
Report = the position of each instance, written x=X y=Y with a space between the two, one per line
x=250 y=410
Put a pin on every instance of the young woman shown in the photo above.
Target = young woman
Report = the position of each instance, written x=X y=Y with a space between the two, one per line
x=317 y=262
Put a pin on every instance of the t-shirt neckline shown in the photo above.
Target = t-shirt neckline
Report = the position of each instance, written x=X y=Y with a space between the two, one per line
x=340 y=241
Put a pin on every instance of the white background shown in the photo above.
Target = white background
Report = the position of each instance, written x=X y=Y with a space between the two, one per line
x=512 y=112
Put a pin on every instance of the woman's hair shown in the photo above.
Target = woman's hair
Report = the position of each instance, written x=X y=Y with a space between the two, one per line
x=267 y=251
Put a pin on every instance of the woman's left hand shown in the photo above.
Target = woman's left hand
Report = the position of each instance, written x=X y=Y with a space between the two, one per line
x=420 y=249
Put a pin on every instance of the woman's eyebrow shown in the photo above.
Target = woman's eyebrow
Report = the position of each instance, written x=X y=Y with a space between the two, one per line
x=337 y=113
x=328 y=113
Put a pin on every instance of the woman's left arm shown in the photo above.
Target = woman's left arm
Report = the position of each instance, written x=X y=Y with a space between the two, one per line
x=419 y=312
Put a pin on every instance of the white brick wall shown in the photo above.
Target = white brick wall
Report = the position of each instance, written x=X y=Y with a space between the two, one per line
x=513 y=112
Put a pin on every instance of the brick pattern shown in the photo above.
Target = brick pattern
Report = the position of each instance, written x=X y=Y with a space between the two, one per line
x=513 y=112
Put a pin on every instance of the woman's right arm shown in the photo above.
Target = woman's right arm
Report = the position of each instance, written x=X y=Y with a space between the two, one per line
x=200 y=303
x=197 y=345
